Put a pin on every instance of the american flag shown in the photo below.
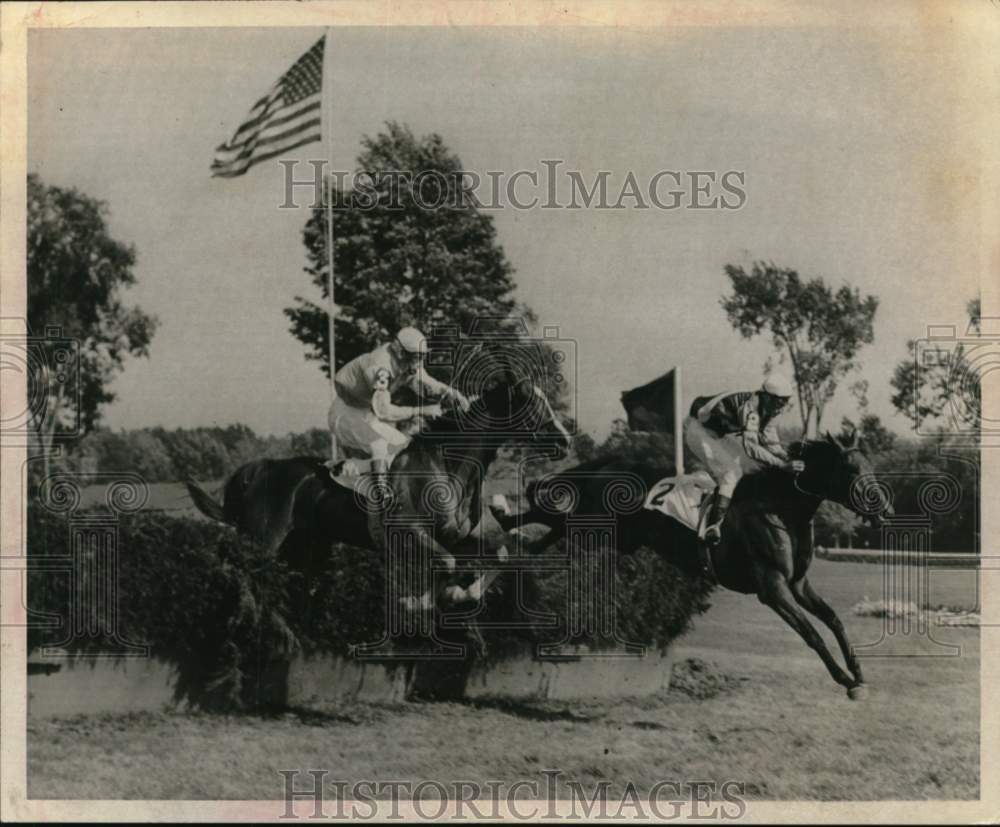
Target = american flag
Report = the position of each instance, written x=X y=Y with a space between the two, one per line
x=288 y=116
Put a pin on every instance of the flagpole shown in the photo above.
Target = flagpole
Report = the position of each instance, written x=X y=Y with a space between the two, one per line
x=678 y=424
x=328 y=190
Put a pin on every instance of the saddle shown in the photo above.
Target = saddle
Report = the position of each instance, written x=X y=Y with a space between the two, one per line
x=356 y=475
x=687 y=498
x=350 y=473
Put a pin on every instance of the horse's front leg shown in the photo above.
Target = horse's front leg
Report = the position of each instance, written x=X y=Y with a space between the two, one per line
x=453 y=594
x=809 y=600
x=422 y=542
x=477 y=588
x=513 y=523
x=775 y=592
x=509 y=521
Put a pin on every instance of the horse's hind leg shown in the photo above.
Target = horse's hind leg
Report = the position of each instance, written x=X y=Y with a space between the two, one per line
x=775 y=592
x=809 y=600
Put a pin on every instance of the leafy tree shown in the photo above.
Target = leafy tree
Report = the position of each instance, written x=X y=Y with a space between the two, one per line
x=76 y=275
x=399 y=259
x=314 y=442
x=835 y=524
x=818 y=329
x=874 y=437
x=924 y=394
x=197 y=452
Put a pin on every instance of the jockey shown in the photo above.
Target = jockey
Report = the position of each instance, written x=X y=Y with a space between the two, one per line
x=732 y=434
x=363 y=417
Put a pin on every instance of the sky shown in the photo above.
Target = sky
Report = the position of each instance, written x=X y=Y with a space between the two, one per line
x=858 y=168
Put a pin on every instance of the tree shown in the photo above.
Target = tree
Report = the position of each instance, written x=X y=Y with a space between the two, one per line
x=819 y=330
x=76 y=275
x=923 y=392
x=836 y=525
x=399 y=259
x=874 y=437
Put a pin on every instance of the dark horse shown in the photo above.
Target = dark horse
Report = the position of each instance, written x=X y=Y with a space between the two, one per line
x=293 y=507
x=766 y=546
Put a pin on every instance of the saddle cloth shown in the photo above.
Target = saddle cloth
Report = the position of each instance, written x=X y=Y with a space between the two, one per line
x=352 y=473
x=687 y=499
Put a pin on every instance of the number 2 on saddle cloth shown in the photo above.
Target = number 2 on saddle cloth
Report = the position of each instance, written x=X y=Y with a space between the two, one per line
x=686 y=499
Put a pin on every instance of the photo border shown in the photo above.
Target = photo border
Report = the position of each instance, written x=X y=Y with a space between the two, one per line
x=968 y=29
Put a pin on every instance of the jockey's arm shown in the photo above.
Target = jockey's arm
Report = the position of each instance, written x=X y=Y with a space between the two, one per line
x=771 y=441
x=758 y=451
x=385 y=410
x=433 y=386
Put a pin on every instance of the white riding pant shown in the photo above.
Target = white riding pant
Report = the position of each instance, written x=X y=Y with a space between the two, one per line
x=359 y=430
x=724 y=457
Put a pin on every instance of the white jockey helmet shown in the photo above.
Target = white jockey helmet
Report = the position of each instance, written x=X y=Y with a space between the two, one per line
x=777 y=385
x=412 y=341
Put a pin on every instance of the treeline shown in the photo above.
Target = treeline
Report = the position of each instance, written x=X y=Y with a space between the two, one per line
x=933 y=477
x=162 y=455
x=926 y=474
x=937 y=476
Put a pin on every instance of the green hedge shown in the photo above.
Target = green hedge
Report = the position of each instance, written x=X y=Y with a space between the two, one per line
x=217 y=607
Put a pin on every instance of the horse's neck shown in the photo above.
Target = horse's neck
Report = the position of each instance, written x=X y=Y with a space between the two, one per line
x=464 y=459
x=785 y=497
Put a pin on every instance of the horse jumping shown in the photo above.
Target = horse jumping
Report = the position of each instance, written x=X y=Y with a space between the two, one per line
x=434 y=486
x=766 y=546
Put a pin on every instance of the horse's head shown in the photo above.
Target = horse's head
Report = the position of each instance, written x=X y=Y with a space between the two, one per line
x=838 y=470
x=514 y=406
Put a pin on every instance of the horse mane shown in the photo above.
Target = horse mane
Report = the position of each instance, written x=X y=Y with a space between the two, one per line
x=769 y=480
x=804 y=448
x=439 y=428
x=444 y=427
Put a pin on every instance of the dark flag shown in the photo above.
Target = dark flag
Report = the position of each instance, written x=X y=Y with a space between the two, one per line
x=650 y=407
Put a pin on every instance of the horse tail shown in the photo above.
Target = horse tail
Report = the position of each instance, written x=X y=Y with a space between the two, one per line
x=204 y=501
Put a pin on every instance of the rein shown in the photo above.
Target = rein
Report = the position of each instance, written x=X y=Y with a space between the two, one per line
x=801 y=490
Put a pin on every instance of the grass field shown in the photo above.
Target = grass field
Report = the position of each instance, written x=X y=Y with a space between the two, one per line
x=759 y=709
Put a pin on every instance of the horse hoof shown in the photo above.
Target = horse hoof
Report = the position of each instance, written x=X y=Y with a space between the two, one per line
x=858 y=693
x=455 y=594
x=499 y=504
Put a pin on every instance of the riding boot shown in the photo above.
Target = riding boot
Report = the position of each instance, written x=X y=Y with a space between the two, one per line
x=335 y=467
x=713 y=534
x=380 y=473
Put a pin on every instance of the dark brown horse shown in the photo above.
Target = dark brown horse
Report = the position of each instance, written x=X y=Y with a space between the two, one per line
x=434 y=485
x=766 y=546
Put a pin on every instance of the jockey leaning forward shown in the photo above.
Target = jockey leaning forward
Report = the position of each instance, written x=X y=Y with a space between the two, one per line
x=363 y=416
x=732 y=434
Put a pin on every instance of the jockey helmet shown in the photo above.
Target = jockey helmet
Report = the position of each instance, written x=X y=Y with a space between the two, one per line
x=412 y=341
x=777 y=385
